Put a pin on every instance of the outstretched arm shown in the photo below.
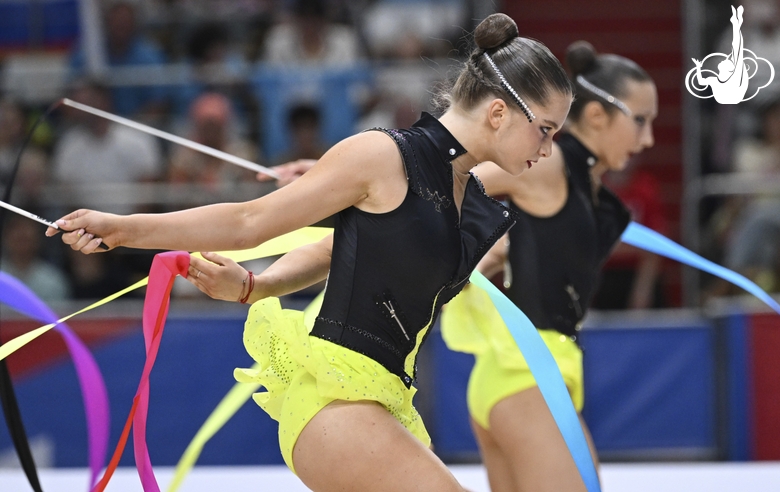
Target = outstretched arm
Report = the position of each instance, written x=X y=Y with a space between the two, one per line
x=641 y=296
x=222 y=278
x=354 y=172
x=494 y=260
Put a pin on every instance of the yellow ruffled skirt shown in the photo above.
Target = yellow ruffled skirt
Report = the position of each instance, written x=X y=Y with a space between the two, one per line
x=303 y=374
x=471 y=324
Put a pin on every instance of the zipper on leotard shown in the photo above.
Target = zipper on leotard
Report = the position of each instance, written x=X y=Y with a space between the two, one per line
x=575 y=299
x=389 y=306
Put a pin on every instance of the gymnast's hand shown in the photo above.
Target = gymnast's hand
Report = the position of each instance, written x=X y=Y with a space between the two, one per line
x=220 y=277
x=85 y=230
x=289 y=171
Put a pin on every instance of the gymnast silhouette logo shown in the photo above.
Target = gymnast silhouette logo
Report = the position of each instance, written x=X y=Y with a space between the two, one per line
x=730 y=84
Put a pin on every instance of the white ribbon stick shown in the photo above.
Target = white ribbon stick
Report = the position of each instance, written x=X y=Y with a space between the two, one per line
x=25 y=213
x=173 y=138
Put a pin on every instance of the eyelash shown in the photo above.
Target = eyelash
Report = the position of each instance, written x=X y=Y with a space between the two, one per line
x=640 y=120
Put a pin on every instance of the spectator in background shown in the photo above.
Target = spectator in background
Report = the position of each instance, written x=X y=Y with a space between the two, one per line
x=96 y=151
x=751 y=226
x=631 y=278
x=95 y=276
x=413 y=28
x=217 y=67
x=212 y=118
x=212 y=124
x=761 y=34
x=34 y=162
x=760 y=155
x=732 y=122
x=311 y=38
x=211 y=9
x=303 y=123
x=126 y=47
x=12 y=126
x=405 y=31
x=22 y=241
x=31 y=177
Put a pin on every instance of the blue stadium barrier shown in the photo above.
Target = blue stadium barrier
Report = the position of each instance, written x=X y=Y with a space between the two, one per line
x=650 y=393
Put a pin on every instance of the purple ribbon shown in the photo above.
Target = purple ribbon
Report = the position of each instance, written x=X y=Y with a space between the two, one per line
x=93 y=389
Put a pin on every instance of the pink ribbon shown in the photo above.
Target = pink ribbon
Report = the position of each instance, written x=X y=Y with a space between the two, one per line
x=165 y=267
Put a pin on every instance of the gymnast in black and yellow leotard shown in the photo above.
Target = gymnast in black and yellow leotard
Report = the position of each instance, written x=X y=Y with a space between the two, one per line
x=370 y=306
x=567 y=225
x=412 y=224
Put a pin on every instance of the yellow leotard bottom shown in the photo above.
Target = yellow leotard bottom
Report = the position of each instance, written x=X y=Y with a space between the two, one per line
x=491 y=380
x=303 y=374
x=471 y=324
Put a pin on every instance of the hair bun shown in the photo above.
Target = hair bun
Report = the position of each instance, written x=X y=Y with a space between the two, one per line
x=580 y=57
x=495 y=30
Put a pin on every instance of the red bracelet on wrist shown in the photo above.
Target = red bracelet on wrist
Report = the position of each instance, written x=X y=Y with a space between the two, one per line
x=245 y=297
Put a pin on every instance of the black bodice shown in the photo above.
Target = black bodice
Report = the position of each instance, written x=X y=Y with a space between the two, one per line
x=391 y=272
x=555 y=260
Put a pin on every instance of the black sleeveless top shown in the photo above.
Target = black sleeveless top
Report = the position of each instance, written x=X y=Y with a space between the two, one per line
x=391 y=272
x=554 y=261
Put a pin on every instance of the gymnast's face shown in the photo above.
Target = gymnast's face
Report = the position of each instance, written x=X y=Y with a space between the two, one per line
x=627 y=135
x=524 y=143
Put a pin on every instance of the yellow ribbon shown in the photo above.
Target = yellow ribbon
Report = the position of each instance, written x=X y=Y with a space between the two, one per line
x=15 y=344
x=235 y=399
x=241 y=392
x=230 y=404
x=276 y=246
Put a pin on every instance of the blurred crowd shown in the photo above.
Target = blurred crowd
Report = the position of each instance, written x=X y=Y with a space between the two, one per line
x=741 y=217
x=273 y=81
x=270 y=81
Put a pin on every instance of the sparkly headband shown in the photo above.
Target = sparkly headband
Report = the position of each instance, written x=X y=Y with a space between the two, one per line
x=528 y=113
x=604 y=95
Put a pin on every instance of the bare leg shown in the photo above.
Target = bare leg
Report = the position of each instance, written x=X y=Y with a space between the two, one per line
x=499 y=468
x=359 y=446
x=525 y=433
x=592 y=447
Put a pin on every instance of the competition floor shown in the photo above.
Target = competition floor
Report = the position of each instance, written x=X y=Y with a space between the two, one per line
x=696 y=477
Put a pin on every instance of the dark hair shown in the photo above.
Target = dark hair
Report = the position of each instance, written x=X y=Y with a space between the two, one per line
x=204 y=38
x=528 y=66
x=303 y=114
x=607 y=72
x=310 y=9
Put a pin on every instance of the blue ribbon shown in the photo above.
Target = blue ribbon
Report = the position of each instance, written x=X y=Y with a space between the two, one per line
x=542 y=364
x=548 y=378
x=647 y=239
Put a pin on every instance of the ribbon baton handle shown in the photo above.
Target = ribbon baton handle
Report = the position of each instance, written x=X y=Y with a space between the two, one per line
x=25 y=213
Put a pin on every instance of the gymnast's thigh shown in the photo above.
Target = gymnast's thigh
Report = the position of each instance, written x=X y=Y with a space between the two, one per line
x=529 y=439
x=358 y=446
